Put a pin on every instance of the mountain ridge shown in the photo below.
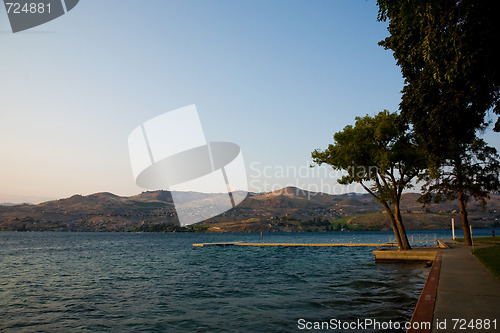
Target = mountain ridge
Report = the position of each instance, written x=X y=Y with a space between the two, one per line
x=286 y=209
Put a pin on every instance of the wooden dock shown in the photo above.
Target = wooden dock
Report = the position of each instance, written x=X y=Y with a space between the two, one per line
x=296 y=244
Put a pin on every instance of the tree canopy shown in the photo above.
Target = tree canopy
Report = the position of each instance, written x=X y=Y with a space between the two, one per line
x=472 y=174
x=447 y=51
x=382 y=157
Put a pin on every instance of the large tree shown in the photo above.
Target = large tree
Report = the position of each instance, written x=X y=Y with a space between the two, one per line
x=473 y=174
x=448 y=57
x=381 y=156
x=447 y=51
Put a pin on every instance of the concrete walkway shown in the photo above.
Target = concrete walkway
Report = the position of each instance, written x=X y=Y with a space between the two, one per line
x=466 y=291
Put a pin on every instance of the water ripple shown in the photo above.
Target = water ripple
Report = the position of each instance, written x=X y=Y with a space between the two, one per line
x=87 y=282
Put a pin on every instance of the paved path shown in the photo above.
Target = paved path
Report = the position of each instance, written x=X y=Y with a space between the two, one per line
x=466 y=290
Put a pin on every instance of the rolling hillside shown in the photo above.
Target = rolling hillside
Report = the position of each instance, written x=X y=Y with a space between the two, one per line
x=289 y=209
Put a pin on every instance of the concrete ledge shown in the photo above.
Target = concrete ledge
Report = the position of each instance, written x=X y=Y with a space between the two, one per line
x=442 y=244
x=424 y=310
x=387 y=255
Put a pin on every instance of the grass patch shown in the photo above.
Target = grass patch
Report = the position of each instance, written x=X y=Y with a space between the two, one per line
x=490 y=258
x=200 y=227
x=344 y=220
x=364 y=222
x=483 y=240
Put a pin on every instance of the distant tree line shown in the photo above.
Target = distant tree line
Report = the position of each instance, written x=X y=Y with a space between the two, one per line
x=168 y=227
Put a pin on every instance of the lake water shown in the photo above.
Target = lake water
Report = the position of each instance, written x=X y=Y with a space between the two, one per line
x=133 y=282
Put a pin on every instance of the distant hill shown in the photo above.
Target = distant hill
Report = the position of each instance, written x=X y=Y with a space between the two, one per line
x=289 y=209
x=13 y=204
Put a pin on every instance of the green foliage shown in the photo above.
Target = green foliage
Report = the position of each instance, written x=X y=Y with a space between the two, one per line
x=378 y=150
x=475 y=172
x=162 y=227
x=380 y=154
x=447 y=51
x=490 y=258
x=149 y=205
x=317 y=222
x=448 y=56
x=199 y=227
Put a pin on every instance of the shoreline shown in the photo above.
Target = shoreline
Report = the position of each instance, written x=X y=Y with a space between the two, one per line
x=458 y=290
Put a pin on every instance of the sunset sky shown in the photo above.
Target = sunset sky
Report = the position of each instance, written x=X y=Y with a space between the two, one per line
x=276 y=77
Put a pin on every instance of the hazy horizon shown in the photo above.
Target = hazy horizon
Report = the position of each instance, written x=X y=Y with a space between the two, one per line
x=8 y=203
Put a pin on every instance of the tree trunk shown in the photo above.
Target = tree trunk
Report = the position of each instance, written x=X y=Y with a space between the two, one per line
x=465 y=221
x=401 y=228
x=394 y=225
x=391 y=217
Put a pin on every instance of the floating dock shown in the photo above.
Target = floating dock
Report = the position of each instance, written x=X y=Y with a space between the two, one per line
x=386 y=255
x=216 y=244
x=296 y=244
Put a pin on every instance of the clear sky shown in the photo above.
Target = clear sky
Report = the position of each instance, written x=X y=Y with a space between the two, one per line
x=276 y=77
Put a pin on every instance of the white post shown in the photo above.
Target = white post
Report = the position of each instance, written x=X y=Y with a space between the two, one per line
x=453 y=227
x=471 y=238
